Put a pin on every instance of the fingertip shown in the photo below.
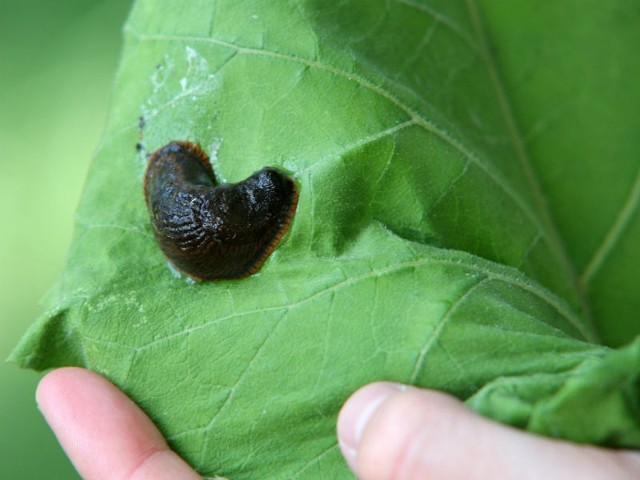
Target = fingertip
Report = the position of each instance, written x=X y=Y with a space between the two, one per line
x=356 y=414
x=387 y=431
x=383 y=427
x=61 y=382
x=104 y=433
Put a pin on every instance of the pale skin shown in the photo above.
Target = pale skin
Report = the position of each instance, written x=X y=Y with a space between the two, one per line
x=386 y=431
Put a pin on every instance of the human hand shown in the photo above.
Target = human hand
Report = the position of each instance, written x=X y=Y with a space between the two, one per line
x=389 y=431
x=385 y=431
x=103 y=432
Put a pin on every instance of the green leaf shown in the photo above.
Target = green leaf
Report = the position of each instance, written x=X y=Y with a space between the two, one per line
x=468 y=221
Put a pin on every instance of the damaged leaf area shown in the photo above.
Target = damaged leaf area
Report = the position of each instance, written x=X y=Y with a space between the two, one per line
x=468 y=220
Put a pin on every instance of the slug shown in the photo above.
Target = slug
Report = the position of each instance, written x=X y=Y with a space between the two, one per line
x=210 y=231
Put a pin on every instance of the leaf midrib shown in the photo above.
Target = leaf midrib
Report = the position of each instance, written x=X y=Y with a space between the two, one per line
x=533 y=180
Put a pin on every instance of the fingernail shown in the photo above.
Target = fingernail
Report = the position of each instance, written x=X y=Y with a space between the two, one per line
x=358 y=411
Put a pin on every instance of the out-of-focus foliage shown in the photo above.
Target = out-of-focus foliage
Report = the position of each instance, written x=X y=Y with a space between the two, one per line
x=57 y=63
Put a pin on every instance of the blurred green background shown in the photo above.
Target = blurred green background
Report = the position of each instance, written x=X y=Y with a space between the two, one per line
x=57 y=62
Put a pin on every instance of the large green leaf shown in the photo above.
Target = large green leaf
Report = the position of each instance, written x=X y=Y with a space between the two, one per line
x=468 y=221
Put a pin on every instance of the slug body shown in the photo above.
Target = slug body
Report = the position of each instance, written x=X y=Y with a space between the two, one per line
x=209 y=231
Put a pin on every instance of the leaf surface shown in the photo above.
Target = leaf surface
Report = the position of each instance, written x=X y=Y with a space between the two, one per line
x=468 y=221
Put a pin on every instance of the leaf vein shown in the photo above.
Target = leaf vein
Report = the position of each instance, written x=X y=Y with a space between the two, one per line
x=615 y=233
x=441 y=18
x=357 y=144
x=539 y=292
x=435 y=334
x=315 y=459
x=233 y=388
x=548 y=227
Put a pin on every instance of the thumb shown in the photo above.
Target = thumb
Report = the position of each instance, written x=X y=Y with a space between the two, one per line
x=391 y=431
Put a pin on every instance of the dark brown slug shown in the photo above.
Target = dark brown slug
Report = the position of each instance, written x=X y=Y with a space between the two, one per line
x=209 y=231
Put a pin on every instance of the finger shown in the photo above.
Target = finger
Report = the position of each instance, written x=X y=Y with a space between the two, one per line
x=104 y=433
x=389 y=431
